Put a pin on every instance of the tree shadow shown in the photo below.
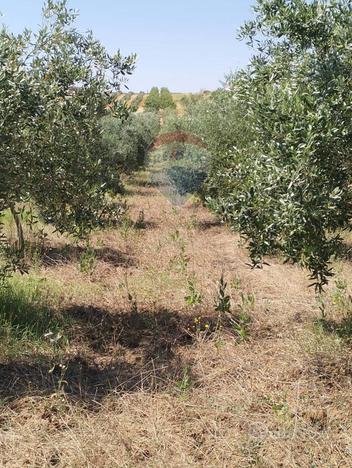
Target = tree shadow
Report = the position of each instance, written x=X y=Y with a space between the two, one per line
x=343 y=328
x=146 y=225
x=206 y=224
x=109 y=352
x=52 y=256
x=145 y=183
x=345 y=251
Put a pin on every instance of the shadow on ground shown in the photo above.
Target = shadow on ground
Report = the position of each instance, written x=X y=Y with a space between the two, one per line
x=206 y=224
x=71 y=253
x=108 y=353
x=145 y=183
x=342 y=329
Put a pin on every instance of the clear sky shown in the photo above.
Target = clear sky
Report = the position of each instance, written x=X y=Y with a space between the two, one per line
x=186 y=45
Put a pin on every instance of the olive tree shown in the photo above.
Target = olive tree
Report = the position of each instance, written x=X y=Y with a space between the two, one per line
x=288 y=188
x=127 y=141
x=55 y=85
x=152 y=101
x=166 y=100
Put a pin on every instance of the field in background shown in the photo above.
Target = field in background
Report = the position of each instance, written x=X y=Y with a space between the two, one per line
x=140 y=369
x=131 y=98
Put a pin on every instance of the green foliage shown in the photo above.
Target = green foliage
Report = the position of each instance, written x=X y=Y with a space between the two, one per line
x=241 y=325
x=27 y=313
x=223 y=300
x=166 y=100
x=338 y=304
x=55 y=85
x=194 y=297
x=285 y=182
x=172 y=122
x=127 y=141
x=185 y=179
x=218 y=119
x=157 y=100
x=88 y=260
x=152 y=102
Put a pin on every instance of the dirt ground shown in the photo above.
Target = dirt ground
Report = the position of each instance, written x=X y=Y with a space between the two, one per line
x=153 y=376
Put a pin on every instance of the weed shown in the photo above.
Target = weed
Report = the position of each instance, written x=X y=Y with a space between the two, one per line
x=34 y=253
x=223 y=300
x=88 y=260
x=180 y=260
x=193 y=223
x=279 y=408
x=219 y=342
x=241 y=325
x=125 y=227
x=100 y=243
x=133 y=302
x=341 y=329
x=340 y=298
x=341 y=302
x=193 y=297
x=62 y=368
x=140 y=223
x=185 y=383
x=200 y=329
x=322 y=306
x=131 y=299
x=236 y=283
x=247 y=301
x=176 y=236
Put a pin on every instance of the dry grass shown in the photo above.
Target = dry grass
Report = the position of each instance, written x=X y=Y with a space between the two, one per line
x=142 y=386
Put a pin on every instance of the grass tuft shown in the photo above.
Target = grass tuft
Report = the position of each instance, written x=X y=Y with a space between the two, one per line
x=28 y=313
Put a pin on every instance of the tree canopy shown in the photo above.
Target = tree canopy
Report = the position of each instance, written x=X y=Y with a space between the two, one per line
x=152 y=101
x=55 y=85
x=287 y=188
x=157 y=100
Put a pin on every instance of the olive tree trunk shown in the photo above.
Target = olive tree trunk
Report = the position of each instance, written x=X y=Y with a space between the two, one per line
x=20 y=236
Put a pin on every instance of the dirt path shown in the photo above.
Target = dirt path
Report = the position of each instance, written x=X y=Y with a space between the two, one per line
x=151 y=381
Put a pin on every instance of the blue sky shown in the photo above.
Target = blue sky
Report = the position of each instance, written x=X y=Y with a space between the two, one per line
x=186 y=45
